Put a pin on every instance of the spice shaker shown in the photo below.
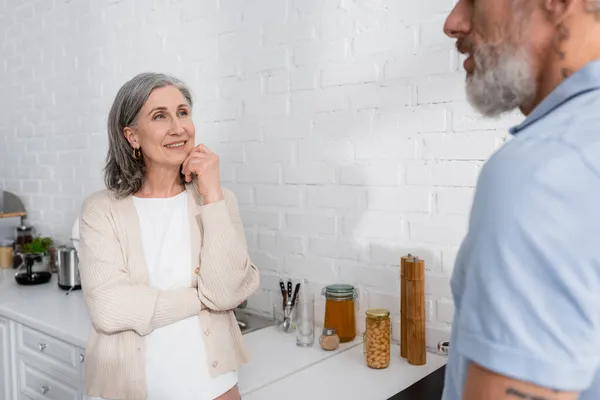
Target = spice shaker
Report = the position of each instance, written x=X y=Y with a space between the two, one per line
x=329 y=339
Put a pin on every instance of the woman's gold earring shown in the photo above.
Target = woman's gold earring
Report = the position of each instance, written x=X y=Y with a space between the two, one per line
x=137 y=154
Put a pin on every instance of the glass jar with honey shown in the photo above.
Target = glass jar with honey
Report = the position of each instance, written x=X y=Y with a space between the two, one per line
x=340 y=310
x=377 y=338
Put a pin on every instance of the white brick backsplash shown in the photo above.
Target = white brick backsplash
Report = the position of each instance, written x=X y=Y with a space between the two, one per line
x=310 y=223
x=309 y=174
x=408 y=199
x=332 y=150
x=448 y=230
x=454 y=200
x=445 y=311
x=269 y=152
x=339 y=247
x=342 y=127
x=278 y=195
x=280 y=244
x=343 y=124
x=460 y=146
x=374 y=224
x=347 y=75
x=319 y=52
x=303 y=78
x=448 y=259
x=258 y=173
x=310 y=102
x=438 y=285
x=419 y=65
x=336 y=197
x=378 y=173
x=320 y=270
x=385 y=279
x=261 y=219
x=442 y=173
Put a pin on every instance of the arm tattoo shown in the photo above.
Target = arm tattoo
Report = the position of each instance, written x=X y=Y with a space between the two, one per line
x=517 y=394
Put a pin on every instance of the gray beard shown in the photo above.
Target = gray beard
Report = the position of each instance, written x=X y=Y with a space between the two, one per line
x=502 y=81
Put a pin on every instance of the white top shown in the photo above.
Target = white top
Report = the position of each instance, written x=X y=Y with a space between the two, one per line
x=176 y=365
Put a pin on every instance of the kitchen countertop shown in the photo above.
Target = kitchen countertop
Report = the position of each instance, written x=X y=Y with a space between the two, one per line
x=277 y=366
x=346 y=376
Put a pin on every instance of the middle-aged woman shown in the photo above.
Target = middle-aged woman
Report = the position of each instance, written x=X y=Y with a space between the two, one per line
x=163 y=257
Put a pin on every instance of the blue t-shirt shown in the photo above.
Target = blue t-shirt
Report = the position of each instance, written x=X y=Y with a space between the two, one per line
x=526 y=283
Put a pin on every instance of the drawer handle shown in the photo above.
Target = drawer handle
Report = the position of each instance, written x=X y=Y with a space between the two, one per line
x=44 y=389
x=42 y=346
x=81 y=357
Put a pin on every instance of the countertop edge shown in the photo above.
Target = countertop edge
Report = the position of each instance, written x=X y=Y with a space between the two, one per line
x=48 y=329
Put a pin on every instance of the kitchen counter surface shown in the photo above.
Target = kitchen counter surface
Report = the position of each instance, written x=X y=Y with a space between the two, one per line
x=277 y=366
x=346 y=376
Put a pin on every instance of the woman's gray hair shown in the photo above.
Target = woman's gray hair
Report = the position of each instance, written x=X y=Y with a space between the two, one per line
x=123 y=174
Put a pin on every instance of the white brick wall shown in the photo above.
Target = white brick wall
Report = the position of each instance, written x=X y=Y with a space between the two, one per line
x=342 y=125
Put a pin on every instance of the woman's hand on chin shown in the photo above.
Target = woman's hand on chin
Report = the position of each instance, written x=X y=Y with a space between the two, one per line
x=203 y=163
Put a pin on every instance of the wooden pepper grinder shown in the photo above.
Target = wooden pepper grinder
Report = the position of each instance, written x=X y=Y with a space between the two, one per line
x=415 y=311
x=403 y=336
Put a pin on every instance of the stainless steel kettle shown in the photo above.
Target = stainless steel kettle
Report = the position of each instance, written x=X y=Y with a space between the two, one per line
x=68 y=268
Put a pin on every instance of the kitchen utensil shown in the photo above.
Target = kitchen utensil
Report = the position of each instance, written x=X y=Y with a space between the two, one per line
x=287 y=313
x=283 y=292
x=415 y=311
x=33 y=271
x=305 y=320
x=24 y=234
x=289 y=289
x=68 y=269
x=294 y=297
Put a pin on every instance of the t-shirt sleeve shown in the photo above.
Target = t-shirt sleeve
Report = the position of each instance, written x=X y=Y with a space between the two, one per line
x=530 y=309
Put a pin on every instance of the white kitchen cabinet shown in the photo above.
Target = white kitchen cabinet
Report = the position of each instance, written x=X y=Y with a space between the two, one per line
x=5 y=358
x=40 y=384
x=47 y=368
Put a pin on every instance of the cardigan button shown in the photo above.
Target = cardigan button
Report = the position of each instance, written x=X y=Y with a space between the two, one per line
x=215 y=364
x=197 y=270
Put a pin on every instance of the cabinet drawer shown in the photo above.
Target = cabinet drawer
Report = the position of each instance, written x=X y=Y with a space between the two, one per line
x=50 y=351
x=40 y=385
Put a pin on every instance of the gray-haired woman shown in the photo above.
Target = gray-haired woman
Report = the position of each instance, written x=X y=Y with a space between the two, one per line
x=163 y=257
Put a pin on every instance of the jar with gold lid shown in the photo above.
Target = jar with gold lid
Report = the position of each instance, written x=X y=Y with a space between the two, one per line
x=340 y=310
x=377 y=338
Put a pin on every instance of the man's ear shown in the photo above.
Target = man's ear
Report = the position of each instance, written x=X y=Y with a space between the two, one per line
x=131 y=137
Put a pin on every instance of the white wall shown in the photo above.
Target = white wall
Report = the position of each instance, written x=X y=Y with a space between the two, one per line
x=341 y=124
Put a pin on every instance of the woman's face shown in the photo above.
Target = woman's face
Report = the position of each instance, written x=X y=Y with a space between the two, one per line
x=164 y=130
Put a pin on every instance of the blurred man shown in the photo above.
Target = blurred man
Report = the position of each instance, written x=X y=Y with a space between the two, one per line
x=526 y=283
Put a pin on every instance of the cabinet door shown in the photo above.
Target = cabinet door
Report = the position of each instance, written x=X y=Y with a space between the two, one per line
x=5 y=370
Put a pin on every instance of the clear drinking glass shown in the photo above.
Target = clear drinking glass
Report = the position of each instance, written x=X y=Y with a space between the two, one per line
x=305 y=319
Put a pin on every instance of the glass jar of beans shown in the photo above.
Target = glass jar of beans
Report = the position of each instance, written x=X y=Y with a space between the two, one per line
x=377 y=338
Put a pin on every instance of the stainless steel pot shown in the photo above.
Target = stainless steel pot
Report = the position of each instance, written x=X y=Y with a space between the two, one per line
x=68 y=268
